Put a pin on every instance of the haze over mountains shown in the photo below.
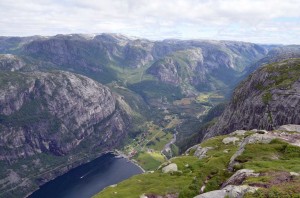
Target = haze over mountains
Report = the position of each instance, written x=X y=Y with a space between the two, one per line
x=67 y=99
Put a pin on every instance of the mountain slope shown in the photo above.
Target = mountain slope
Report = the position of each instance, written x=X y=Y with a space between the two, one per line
x=251 y=163
x=266 y=99
x=51 y=122
x=102 y=56
x=276 y=54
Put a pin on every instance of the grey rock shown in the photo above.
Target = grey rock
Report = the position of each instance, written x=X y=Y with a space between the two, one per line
x=259 y=138
x=229 y=140
x=170 y=168
x=201 y=152
x=238 y=133
x=191 y=148
x=239 y=176
x=239 y=191
x=290 y=127
x=55 y=115
x=213 y=194
x=165 y=71
x=229 y=191
x=294 y=174
x=75 y=104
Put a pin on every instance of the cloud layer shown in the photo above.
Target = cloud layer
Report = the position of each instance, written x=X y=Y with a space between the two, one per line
x=261 y=21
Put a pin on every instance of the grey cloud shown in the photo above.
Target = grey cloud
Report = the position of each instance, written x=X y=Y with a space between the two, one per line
x=155 y=19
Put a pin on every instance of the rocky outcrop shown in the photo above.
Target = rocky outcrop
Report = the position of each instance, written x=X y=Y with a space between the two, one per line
x=252 y=139
x=214 y=193
x=229 y=140
x=238 y=133
x=267 y=99
x=239 y=176
x=201 y=152
x=290 y=127
x=229 y=191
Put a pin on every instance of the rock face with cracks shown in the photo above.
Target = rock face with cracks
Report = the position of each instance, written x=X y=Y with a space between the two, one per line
x=267 y=99
x=53 y=119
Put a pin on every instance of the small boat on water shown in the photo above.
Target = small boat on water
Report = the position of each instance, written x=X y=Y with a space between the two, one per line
x=118 y=156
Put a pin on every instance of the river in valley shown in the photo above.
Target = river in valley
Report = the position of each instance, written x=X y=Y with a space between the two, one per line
x=88 y=179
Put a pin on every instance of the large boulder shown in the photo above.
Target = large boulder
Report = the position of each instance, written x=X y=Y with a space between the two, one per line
x=170 y=168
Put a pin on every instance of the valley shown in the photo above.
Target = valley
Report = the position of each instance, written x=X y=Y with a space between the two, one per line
x=68 y=99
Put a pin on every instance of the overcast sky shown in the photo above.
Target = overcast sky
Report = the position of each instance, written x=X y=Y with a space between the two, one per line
x=260 y=21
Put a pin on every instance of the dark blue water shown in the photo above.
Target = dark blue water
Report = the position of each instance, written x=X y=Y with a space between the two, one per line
x=88 y=179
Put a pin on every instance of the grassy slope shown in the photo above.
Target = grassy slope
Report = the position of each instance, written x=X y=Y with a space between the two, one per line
x=212 y=170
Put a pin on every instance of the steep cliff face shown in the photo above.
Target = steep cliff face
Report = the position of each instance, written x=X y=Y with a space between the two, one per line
x=91 y=52
x=265 y=100
x=178 y=67
x=54 y=112
x=51 y=122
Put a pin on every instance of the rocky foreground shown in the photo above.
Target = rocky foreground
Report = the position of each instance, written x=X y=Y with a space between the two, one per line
x=255 y=163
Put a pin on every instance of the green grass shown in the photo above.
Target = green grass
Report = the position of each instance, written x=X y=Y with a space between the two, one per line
x=271 y=160
x=149 y=89
x=285 y=189
x=277 y=156
x=187 y=182
x=155 y=183
x=160 y=140
x=149 y=161
x=152 y=183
